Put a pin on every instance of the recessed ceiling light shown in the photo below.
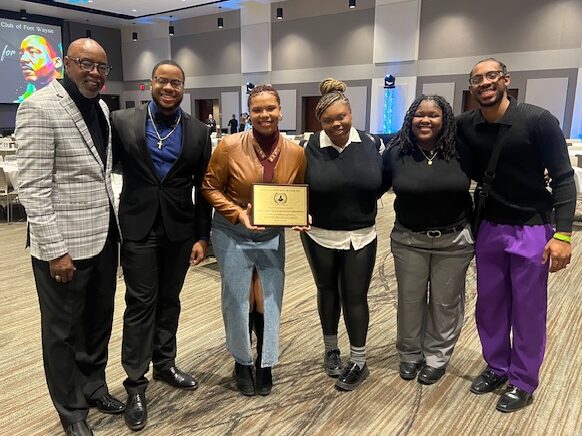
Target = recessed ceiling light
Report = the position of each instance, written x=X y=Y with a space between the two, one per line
x=134 y=10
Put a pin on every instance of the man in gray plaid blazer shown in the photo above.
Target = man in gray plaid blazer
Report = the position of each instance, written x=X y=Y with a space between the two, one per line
x=64 y=159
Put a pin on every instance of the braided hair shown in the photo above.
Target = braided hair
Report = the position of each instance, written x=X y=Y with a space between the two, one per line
x=332 y=90
x=263 y=88
x=446 y=139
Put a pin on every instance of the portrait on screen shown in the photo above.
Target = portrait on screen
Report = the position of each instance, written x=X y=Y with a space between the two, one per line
x=31 y=56
x=40 y=64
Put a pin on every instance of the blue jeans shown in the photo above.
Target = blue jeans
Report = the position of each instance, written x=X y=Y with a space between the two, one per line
x=239 y=252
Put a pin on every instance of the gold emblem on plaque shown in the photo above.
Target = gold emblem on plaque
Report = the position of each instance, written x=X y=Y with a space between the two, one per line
x=280 y=198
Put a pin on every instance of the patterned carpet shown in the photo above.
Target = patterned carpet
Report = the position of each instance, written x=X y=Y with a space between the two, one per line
x=304 y=401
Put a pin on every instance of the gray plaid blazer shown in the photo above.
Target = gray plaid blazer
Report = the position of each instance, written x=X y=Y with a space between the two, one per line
x=63 y=184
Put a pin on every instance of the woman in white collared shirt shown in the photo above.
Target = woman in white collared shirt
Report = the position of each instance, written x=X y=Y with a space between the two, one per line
x=344 y=173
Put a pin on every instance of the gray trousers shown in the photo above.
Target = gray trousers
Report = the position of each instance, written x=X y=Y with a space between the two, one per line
x=430 y=273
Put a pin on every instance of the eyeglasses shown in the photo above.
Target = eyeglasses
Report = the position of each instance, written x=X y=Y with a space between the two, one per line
x=490 y=75
x=87 y=65
x=163 y=81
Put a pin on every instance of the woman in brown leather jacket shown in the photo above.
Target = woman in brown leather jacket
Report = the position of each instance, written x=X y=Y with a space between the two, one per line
x=251 y=258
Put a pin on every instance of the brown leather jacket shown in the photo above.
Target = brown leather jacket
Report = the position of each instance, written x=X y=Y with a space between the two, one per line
x=234 y=167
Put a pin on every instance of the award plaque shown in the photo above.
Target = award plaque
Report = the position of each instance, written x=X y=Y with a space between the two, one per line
x=279 y=205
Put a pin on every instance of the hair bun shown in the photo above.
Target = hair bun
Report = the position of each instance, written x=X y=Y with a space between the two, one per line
x=332 y=85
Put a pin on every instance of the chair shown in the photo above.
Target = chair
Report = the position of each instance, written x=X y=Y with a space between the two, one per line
x=8 y=193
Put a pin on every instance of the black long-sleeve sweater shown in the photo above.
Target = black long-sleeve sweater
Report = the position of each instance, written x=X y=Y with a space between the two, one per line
x=428 y=197
x=534 y=142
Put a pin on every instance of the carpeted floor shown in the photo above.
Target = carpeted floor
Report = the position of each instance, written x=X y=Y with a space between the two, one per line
x=304 y=401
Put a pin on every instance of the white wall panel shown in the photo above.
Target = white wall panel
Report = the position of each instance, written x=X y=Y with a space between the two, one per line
x=358 y=96
x=186 y=105
x=229 y=104
x=288 y=109
x=549 y=94
x=446 y=90
x=576 y=131
x=396 y=31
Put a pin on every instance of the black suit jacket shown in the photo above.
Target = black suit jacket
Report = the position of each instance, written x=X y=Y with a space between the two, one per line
x=144 y=193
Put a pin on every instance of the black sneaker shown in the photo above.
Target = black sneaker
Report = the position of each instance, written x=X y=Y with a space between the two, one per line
x=332 y=363
x=352 y=377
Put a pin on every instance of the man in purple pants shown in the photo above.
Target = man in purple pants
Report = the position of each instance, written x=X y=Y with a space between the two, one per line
x=516 y=244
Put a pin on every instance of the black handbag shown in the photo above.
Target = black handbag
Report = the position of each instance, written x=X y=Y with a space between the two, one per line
x=483 y=190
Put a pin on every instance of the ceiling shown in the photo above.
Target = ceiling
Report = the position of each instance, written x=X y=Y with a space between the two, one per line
x=119 y=13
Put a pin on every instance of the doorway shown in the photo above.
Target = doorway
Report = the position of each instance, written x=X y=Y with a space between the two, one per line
x=205 y=107
x=310 y=122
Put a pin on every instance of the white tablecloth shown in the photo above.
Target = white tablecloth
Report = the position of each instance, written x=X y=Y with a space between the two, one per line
x=578 y=179
x=11 y=172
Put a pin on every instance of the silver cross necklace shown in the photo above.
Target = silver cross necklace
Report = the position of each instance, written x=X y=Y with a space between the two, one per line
x=160 y=139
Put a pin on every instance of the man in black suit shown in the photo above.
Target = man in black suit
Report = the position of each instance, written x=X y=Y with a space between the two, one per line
x=163 y=152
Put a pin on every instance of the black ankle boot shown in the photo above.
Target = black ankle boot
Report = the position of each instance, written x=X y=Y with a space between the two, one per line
x=243 y=377
x=264 y=380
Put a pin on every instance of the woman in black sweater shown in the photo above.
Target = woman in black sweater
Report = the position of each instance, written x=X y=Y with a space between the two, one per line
x=431 y=240
x=344 y=176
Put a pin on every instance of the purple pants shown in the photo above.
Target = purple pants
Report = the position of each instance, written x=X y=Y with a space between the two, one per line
x=512 y=287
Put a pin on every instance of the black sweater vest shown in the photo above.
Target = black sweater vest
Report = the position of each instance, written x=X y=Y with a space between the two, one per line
x=343 y=187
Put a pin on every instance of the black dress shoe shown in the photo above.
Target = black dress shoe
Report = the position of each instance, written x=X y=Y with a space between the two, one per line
x=352 y=377
x=408 y=370
x=487 y=382
x=78 y=429
x=243 y=378
x=177 y=378
x=108 y=404
x=332 y=363
x=429 y=375
x=136 y=412
x=263 y=380
x=513 y=399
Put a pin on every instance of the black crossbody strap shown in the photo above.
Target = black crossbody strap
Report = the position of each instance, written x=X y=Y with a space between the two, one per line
x=492 y=165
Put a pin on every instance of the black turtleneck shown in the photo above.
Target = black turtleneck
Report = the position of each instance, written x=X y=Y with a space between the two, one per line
x=97 y=125
x=92 y=115
x=268 y=143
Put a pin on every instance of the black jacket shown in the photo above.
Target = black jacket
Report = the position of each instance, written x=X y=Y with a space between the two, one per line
x=144 y=193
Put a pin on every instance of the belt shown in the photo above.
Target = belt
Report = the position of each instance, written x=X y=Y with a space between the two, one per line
x=437 y=233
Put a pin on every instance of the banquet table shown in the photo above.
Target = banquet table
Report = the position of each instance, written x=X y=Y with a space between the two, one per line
x=11 y=171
